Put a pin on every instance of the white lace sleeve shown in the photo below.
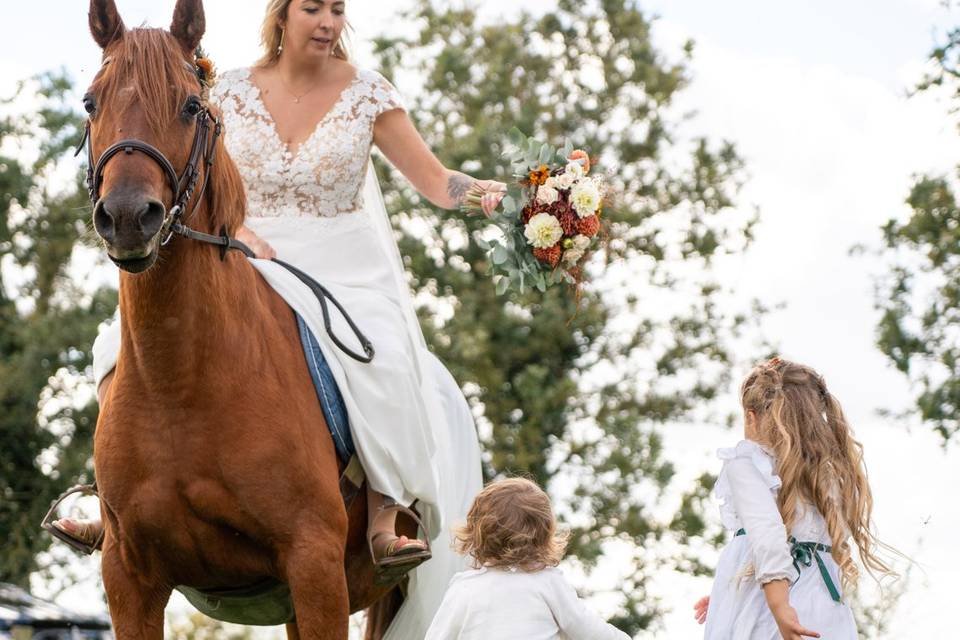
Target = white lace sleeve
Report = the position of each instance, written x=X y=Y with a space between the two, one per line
x=385 y=95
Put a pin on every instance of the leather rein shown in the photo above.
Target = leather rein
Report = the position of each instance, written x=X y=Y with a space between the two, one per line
x=183 y=186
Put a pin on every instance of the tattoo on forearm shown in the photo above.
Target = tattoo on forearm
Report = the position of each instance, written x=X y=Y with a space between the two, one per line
x=457 y=187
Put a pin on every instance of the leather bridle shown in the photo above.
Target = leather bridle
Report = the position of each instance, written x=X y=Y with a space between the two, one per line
x=182 y=186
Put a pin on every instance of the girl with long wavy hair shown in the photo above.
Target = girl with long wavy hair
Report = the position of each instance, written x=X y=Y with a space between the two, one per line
x=795 y=496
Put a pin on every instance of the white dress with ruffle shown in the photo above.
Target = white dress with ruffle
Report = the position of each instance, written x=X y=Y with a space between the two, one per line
x=747 y=488
x=413 y=429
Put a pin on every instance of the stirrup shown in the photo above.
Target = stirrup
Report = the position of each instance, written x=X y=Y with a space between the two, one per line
x=392 y=568
x=48 y=520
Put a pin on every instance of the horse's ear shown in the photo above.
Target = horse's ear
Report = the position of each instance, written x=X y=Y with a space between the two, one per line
x=188 y=23
x=105 y=23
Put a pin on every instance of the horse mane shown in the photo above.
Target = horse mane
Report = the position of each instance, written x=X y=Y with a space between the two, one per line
x=226 y=194
x=153 y=63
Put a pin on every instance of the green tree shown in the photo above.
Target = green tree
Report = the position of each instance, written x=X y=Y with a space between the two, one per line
x=919 y=295
x=577 y=396
x=47 y=322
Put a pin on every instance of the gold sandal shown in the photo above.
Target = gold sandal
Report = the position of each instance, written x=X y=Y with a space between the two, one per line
x=393 y=563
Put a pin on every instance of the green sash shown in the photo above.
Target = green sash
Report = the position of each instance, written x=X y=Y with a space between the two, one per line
x=804 y=553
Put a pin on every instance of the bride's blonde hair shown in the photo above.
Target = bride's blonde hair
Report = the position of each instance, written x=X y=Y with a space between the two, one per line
x=271 y=34
x=818 y=460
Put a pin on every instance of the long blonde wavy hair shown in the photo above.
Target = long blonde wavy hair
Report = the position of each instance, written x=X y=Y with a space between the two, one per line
x=818 y=460
x=271 y=34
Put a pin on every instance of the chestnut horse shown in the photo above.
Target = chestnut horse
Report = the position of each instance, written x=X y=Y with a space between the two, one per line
x=214 y=465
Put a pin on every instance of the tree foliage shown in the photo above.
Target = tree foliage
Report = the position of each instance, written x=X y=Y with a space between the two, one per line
x=47 y=322
x=919 y=294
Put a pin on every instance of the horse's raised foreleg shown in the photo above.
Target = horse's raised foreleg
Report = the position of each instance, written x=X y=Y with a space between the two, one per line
x=136 y=602
x=318 y=586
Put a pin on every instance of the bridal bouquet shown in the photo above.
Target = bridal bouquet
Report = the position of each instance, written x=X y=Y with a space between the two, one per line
x=550 y=217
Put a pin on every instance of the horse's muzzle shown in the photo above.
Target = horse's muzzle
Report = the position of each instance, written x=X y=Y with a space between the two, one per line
x=129 y=225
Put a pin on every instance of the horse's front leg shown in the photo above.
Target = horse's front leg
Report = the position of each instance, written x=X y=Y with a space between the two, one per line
x=136 y=601
x=318 y=584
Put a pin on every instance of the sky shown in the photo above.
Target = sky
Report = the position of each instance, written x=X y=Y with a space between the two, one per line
x=814 y=94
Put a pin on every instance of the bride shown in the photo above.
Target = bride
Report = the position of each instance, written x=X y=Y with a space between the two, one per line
x=300 y=125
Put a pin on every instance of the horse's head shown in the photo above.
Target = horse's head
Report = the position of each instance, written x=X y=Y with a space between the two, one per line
x=147 y=112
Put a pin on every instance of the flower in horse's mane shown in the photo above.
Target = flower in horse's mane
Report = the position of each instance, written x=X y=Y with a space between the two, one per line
x=206 y=70
x=543 y=231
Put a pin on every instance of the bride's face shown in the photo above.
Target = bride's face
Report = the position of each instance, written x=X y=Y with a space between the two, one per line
x=313 y=27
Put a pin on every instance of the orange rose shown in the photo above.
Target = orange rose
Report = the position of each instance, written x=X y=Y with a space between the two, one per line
x=580 y=154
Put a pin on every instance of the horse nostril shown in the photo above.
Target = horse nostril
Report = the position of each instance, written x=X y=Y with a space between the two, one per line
x=150 y=218
x=104 y=223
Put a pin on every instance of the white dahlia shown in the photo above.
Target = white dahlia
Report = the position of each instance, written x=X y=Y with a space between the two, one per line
x=585 y=198
x=543 y=231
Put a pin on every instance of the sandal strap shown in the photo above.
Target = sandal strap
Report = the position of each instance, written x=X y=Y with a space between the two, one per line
x=399 y=508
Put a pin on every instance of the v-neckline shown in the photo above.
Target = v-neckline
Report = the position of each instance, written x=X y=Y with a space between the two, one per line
x=293 y=154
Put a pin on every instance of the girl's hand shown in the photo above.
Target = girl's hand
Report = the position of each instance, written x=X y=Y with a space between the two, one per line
x=260 y=247
x=700 y=609
x=493 y=193
x=789 y=624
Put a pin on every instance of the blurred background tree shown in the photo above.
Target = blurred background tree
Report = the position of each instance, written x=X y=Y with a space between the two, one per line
x=577 y=396
x=919 y=295
x=47 y=322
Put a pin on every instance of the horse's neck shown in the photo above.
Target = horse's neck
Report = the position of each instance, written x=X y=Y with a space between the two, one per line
x=184 y=315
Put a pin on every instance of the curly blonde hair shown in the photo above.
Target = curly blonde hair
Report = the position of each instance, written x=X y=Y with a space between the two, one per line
x=511 y=524
x=271 y=34
x=818 y=460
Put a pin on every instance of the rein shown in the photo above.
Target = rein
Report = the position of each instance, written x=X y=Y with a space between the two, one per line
x=183 y=186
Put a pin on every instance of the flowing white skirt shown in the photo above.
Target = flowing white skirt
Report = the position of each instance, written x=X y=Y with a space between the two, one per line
x=738 y=608
x=407 y=453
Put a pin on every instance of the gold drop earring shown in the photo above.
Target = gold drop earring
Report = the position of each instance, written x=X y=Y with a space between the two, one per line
x=280 y=46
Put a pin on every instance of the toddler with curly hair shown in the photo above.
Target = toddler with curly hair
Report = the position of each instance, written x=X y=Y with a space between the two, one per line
x=515 y=590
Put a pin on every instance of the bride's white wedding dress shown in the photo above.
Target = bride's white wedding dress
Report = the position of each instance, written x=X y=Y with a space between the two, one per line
x=320 y=208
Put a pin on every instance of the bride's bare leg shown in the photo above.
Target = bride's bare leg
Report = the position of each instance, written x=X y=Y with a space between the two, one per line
x=382 y=527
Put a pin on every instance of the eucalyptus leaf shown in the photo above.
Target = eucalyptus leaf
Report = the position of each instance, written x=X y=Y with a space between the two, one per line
x=502 y=285
x=546 y=153
x=500 y=255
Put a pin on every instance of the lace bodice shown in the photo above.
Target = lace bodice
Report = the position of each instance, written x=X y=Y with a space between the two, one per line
x=325 y=176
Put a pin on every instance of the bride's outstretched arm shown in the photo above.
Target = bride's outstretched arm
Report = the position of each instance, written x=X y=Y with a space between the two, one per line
x=403 y=146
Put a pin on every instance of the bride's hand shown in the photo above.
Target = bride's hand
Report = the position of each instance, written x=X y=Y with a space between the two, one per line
x=493 y=193
x=260 y=247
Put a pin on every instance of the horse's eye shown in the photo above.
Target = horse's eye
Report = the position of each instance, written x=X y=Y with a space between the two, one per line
x=89 y=104
x=192 y=107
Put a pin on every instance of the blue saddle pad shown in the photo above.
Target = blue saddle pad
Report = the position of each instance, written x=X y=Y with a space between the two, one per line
x=334 y=410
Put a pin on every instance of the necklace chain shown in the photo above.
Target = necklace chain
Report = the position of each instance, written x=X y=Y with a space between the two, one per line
x=296 y=98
